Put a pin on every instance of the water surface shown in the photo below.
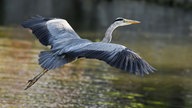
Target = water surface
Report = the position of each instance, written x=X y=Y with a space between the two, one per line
x=92 y=83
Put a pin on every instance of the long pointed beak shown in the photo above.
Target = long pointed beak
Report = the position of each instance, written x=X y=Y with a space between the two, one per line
x=132 y=21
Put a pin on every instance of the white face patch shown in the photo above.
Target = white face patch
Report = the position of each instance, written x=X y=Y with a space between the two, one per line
x=122 y=23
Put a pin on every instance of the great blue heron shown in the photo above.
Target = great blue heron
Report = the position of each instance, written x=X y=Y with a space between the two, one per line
x=67 y=46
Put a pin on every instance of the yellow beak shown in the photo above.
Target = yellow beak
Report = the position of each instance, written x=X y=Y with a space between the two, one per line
x=132 y=21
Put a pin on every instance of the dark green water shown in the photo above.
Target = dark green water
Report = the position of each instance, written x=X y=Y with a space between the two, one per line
x=92 y=83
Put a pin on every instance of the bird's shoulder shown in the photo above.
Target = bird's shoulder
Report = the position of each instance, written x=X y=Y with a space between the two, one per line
x=104 y=46
x=58 y=26
x=109 y=47
x=57 y=23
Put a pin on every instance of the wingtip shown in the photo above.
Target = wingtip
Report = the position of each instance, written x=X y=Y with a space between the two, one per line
x=27 y=23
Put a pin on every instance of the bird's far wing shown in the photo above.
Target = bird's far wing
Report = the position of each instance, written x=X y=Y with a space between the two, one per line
x=115 y=55
x=49 y=29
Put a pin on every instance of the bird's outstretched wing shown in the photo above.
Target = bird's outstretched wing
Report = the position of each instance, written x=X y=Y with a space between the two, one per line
x=115 y=55
x=48 y=30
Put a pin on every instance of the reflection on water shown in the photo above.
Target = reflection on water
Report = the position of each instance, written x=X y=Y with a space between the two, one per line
x=92 y=83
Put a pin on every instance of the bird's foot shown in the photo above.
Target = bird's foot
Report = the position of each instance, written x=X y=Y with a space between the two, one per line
x=35 y=79
x=30 y=83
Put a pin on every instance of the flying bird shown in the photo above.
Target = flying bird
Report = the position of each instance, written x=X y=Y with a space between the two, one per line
x=67 y=46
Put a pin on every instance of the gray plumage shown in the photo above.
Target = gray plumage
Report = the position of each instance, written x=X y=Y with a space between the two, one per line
x=66 y=46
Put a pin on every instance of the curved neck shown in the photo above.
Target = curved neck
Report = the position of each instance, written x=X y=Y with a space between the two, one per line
x=108 y=33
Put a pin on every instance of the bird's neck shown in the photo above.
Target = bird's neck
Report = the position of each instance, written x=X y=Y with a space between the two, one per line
x=108 y=33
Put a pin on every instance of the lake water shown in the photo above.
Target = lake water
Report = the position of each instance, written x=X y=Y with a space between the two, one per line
x=92 y=83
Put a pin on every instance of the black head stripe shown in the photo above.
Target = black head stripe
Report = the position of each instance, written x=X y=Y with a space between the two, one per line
x=119 y=19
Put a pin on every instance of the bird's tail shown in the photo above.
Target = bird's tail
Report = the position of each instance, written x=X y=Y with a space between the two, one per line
x=48 y=60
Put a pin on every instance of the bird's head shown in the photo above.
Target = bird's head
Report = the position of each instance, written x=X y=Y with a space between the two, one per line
x=123 y=22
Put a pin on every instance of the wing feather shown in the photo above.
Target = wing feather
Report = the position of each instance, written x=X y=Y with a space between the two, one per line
x=115 y=55
x=49 y=29
x=125 y=64
x=122 y=64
